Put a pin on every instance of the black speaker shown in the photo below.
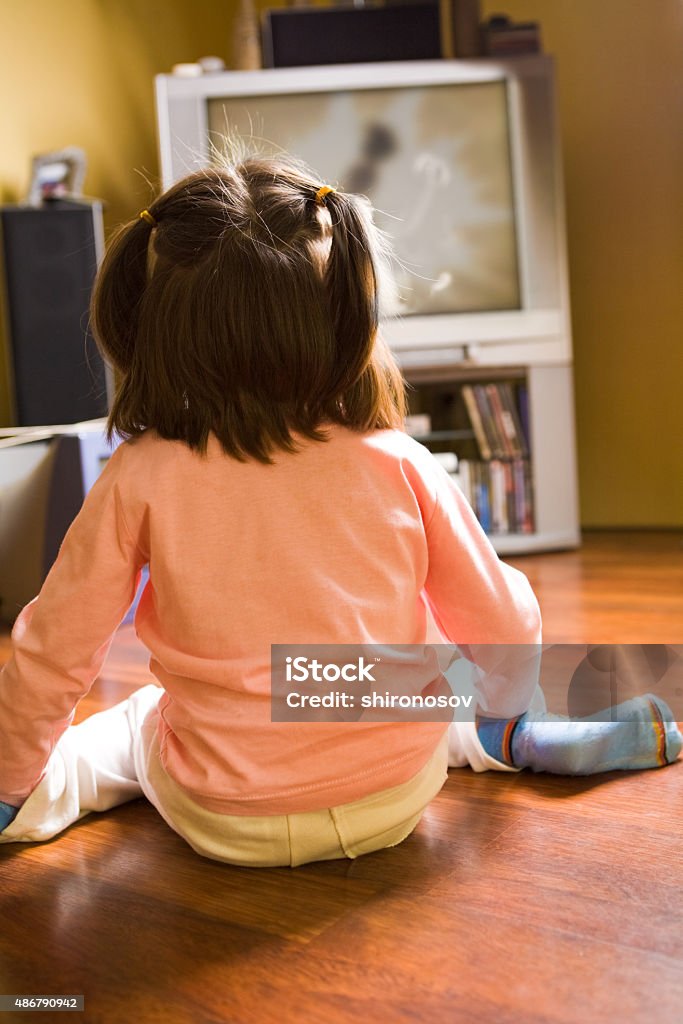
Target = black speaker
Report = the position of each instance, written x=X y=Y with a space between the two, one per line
x=343 y=35
x=50 y=259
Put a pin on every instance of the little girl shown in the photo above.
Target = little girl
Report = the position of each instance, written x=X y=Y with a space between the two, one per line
x=268 y=484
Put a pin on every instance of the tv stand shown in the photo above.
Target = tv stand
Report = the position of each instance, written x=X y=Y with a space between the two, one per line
x=539 y=511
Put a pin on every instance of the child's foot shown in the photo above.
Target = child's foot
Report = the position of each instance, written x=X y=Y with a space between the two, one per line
x=7 y=815
x=639 y=733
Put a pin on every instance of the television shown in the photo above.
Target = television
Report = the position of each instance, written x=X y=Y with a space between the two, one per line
x=461 y=160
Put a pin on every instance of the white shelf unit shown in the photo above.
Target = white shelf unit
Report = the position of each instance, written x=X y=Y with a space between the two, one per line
x=551 y=443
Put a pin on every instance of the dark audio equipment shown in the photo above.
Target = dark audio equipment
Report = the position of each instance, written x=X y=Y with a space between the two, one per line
x=50 y=259
x=343 y=35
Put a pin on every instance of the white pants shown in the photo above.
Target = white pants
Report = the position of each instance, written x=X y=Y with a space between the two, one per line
x=94 y=767
x=113 y=757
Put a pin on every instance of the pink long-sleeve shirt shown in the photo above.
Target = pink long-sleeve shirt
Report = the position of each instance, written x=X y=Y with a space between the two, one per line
x=342 y=542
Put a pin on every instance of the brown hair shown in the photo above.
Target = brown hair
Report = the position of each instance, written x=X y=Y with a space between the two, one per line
x=245 y=306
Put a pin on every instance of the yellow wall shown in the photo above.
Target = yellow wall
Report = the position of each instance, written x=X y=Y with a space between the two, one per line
x=621 y=102
x=79 y=72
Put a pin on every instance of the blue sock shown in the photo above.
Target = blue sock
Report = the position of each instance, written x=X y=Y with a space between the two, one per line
x=7 y=815
x=495 y=736
x=640 y=733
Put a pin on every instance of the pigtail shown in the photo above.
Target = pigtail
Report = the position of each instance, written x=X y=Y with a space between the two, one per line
x=351 y=286
x=368 y=377
x=118 y=291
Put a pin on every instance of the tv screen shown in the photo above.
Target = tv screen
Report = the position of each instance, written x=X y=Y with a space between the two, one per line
x=435 y=163
x=462 y=161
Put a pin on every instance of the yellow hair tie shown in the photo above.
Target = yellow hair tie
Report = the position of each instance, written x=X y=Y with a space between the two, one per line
x=147 y=216
x=323 y=191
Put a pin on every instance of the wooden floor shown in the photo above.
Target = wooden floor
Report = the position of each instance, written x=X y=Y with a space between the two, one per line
x=520 y=898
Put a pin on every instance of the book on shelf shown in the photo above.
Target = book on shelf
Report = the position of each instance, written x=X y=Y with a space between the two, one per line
x=512 y=423
x=497 y=502
x=488 y=420
x=523 y=405
x=512 y=520
x=482 y=498
x=497 y=422
x=476 y=420
x=498 y=485
x=501 y=425
x=500 y=494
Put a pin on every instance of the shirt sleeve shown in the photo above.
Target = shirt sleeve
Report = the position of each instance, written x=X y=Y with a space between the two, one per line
x=61 y=638
x=480 y=603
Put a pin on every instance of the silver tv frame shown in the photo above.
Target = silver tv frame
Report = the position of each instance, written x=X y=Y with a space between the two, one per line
x=537 y=332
